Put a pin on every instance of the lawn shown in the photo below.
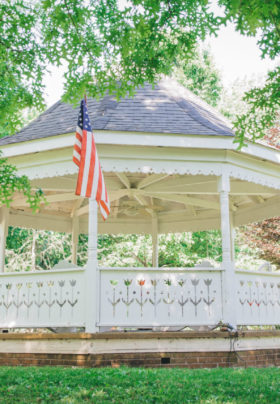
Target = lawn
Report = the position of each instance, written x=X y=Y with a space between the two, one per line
x=127 y=385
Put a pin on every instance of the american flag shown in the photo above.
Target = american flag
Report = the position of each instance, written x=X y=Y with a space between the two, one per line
x=90 y=181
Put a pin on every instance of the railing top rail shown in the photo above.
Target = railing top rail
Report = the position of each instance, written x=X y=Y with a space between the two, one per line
x=161 y=269
x=248 y=272
x=46 y=272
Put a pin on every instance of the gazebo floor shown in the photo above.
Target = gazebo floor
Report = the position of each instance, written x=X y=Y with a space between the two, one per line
x=190 y=349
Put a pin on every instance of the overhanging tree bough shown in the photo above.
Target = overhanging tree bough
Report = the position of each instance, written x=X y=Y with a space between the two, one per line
x=108 y=42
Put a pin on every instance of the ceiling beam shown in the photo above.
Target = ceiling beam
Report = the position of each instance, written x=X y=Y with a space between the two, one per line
x=186 y=200
x=113 y=196
x=124 y=180
x=179 y=186
x=120 y=193
x=143 y=203
x=175 y=182
x=151 y=179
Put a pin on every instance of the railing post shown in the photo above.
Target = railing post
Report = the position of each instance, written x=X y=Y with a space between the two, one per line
x=75 y=238
x=228 y=276
x=155 y=240
x=91 y=271
x=4 y=217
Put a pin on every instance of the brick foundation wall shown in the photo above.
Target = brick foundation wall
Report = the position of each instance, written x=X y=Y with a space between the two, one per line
x=193 y=360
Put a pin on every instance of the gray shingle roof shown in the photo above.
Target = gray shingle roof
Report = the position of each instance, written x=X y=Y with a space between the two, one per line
x=166 y=108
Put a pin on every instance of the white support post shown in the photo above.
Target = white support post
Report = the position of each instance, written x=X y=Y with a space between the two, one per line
x=75 y=238
x=4 y=218
x=155 y=240
x=228 y=277
x=232 y=234
x=91 y=271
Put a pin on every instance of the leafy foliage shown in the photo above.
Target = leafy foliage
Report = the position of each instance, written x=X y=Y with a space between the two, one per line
x=112 y=46
x=264 y=106
x=258 y=18
x=22 y=62
x=200 y=75
x=28 y=249
x=10 y=182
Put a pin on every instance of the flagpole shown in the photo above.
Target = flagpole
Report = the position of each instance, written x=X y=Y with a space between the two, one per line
x=92 y=273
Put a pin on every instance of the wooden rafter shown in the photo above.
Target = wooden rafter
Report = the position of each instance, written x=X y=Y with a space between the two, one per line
x=187 y=200
x=143 y=202
x=151 y=179
x=124 y=180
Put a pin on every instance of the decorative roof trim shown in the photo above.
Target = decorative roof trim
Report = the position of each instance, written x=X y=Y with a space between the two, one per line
x=159 y=167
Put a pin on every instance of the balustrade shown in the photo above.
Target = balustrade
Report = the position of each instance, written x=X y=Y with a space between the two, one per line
x=136 y=297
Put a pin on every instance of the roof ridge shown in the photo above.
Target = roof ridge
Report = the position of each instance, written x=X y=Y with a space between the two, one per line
x=197 y=102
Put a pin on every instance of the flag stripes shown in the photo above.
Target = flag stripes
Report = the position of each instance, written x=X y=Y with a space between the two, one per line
x=90 y=181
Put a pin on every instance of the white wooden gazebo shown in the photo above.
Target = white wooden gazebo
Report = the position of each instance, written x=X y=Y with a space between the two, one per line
x=170 y=165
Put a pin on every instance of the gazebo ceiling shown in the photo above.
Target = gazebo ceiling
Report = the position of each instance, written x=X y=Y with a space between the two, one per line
x=180 y=203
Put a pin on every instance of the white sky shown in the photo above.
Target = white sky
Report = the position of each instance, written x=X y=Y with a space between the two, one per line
x=235 y=56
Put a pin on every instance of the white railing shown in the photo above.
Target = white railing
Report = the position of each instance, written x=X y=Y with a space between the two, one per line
x=136 y=297
x=42 y=299
x=258 y=298
x=160 y=297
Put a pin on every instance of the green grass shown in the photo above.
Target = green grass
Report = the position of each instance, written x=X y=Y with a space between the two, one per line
x=126 y=385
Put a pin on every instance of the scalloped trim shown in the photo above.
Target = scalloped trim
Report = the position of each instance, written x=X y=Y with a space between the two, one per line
x=183 y=169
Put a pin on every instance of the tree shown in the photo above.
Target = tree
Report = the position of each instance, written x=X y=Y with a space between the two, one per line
x=115 y=46
x=265 y=236
x=200 y=75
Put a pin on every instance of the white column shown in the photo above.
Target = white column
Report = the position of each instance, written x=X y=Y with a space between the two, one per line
x=232 y=234
x=91 y=271
x=228 y=275
x=155 y=240
x=75 y=238
x=4 y=218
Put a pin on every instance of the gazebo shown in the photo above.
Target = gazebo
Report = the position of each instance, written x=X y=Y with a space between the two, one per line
x=170 y=165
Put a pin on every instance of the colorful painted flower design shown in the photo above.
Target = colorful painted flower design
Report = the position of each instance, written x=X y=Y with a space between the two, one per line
x=114 y=282
x=142 y=301
x=127 y=282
